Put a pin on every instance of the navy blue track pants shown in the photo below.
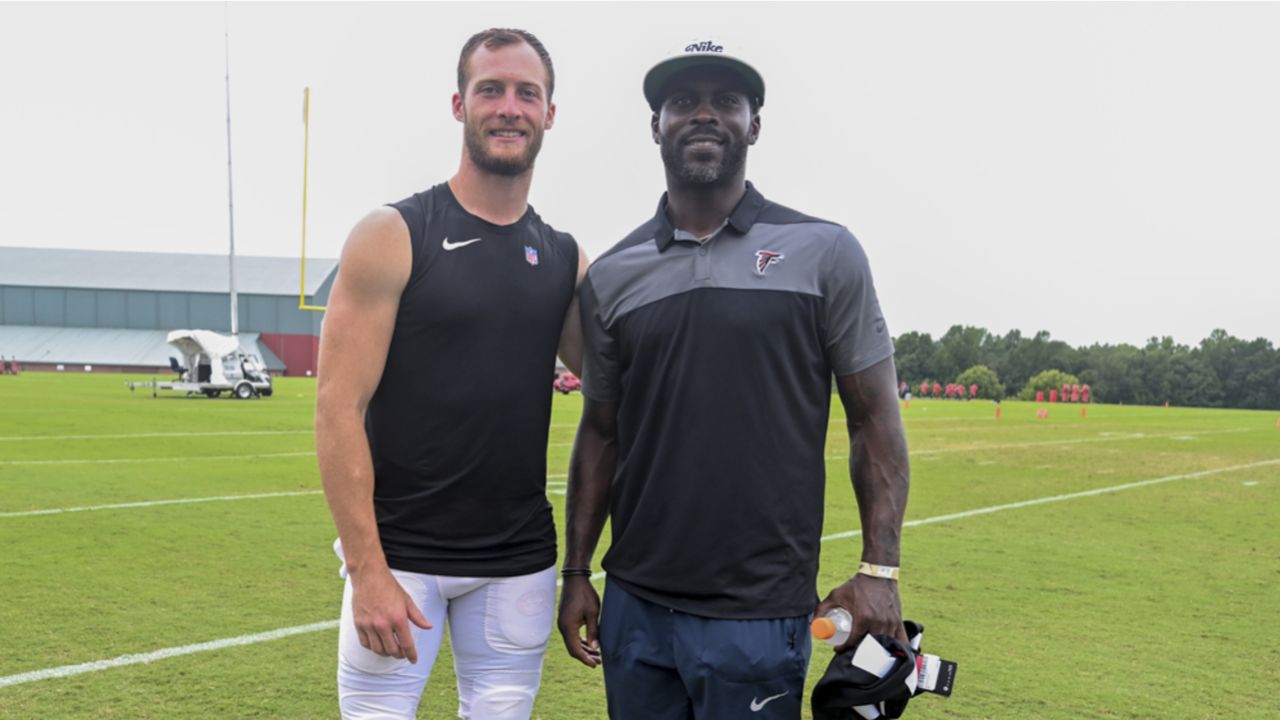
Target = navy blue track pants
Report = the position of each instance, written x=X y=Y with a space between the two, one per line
x=661 y=664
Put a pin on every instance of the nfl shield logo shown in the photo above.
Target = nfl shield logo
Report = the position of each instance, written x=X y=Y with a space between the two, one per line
x=530 y=255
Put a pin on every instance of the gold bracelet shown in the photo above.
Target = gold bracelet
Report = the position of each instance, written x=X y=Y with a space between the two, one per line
x=884 y=572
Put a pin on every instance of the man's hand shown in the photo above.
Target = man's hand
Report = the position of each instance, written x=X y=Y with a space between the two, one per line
x=580 y=606
x=383 y=611
x=875 y=607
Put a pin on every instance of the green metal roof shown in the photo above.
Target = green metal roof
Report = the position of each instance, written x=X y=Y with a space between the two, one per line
x=168 y=272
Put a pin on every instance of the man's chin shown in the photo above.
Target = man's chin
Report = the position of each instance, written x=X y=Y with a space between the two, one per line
x=700 y=173
x=505 y=166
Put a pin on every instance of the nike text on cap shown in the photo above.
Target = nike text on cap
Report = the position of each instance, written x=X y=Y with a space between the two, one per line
x=699 y=53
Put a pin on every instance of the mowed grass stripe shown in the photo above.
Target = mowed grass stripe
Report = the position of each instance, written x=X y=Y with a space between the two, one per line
x=554 y=486
x=965 y=448
x=132 y=659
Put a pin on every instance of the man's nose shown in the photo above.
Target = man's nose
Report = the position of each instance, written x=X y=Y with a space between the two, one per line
x=510 y=108
x=705 y=112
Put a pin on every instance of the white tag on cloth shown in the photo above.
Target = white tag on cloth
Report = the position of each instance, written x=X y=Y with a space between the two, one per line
x=870 y=712
x=913 y=678
x=872 y=657
x=936 y=675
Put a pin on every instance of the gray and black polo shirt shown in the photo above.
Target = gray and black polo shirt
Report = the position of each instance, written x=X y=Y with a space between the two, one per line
x=720 y=356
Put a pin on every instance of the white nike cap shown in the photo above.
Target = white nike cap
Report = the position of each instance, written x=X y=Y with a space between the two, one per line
x=699 y=53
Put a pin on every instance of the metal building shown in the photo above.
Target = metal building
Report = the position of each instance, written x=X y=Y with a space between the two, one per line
x=110 y=310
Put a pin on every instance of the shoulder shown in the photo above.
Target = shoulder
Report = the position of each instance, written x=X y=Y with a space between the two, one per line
x=645 y=233
x=562 y=243
x=772 y=213
x=418 y=206
x=377 y=253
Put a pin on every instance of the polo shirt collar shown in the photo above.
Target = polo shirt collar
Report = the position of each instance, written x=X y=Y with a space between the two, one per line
x=741 y=219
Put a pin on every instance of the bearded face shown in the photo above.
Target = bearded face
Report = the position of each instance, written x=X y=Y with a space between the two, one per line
x=703 y=155
x=502 y=146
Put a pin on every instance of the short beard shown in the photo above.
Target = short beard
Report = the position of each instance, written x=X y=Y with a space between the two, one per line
x=700 y=172
x=474 y=138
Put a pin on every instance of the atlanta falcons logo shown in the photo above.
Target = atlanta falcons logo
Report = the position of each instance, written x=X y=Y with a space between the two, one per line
x=765 y=258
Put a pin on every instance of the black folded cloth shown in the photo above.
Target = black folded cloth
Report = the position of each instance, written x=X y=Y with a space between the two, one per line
x=849 y=691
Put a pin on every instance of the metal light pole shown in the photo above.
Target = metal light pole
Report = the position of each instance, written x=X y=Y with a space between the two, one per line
x=231 y=213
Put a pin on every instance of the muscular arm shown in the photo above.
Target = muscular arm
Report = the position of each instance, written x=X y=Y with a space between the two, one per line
x=358 y=324
x=879 y=469
x=591 y=468
x=570 y=350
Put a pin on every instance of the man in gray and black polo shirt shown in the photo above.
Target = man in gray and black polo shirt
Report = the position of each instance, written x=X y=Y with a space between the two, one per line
x=712 y=333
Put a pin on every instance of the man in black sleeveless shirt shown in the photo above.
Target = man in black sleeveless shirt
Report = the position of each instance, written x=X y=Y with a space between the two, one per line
x=434 y=404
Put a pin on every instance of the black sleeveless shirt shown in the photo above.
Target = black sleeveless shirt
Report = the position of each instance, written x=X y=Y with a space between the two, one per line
x=458 y=425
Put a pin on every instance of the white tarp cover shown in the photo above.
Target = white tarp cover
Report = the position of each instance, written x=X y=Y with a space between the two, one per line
x=192 y=342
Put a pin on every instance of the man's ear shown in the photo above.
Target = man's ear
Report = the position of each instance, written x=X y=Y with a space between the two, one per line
x=653 y=127
x=753 y=131
x=551 y=116
x=459 y=112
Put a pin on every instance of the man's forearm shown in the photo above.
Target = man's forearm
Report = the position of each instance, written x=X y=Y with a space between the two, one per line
x=591 y=468
x=346 y=472
x=879 y=468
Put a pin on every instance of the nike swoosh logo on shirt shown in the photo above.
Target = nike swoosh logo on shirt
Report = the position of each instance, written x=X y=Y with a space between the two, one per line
x=454 y=246
x=757 y=705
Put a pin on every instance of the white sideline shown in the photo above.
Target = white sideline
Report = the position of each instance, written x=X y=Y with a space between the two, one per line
x=69 y=670
x=225 y=433
x=153 y=503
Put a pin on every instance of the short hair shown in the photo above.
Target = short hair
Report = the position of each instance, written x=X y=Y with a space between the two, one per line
x=494 y=38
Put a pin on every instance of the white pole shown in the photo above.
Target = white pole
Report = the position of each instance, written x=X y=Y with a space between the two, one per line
x=231 y=213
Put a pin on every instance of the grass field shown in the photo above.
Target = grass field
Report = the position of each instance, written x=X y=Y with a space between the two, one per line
x=1120 y=565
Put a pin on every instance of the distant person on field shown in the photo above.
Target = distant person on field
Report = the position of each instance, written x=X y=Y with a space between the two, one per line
x=438 y=489
x=8 y=365
x=712 y=333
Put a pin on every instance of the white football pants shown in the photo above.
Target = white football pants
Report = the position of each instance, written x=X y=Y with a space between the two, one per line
x=498 y=628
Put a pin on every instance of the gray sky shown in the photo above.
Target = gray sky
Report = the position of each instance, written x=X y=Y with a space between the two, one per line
x=1107 y=172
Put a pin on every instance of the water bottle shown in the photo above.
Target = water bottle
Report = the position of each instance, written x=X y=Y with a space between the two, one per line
x=834 y=627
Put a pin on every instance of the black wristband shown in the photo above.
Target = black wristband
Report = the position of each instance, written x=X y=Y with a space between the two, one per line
x=569 y=572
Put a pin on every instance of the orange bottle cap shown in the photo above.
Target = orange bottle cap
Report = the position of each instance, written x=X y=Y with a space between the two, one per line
x=822 y=628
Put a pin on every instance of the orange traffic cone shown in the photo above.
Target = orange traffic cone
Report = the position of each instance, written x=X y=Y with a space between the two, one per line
x=998 y=415
x=1082 y=409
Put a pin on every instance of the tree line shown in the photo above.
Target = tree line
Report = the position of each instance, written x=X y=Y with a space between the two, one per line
x=1222 y=371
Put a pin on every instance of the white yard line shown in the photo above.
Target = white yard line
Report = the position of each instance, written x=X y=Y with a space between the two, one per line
x=70 y=670
x=124 y=461
x=154 y=503
x=1067 y=496
x=224 y=433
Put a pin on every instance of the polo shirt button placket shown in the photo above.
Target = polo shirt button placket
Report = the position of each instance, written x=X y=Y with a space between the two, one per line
x=703 y=264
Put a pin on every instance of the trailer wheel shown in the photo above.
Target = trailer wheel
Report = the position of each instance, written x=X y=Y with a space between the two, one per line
x=211 y=394
x=265 y=392
x=244 y=391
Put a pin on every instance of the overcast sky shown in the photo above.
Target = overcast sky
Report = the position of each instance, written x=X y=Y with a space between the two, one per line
x=1107 y=172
